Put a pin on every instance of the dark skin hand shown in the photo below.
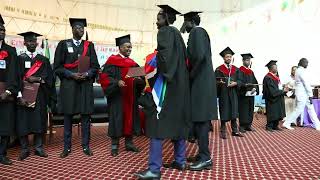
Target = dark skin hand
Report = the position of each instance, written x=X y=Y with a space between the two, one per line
x=4 y=96
x=33 y=79
x=22 y=102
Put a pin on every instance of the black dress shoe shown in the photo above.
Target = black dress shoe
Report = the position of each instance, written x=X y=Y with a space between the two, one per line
x=65 y=153
x=237 y=134
x=250 y=129
x=132 y=148
x=5 y=161
x=175 y=165
x=193 y=158
x=242 y=130
x=277 y=129
x=41 y=153
x=269 y=129
x=147 y=174
x=201 y=165
x=223 y=135
x=114 y=152
x=87 y=151
x=23 y=156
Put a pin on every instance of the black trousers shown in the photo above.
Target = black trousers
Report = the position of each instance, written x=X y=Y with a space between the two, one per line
x=85 y=131
x=202 y=133
x=272 y=123
x=4 y=145
x=38 y=143
x=234 y=126
x=115 y=141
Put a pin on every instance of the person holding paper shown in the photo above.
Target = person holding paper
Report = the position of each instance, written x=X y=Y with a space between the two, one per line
x=203 y=88
x=122 y=93
x=227 y=76
x=170 y=117
x=303 y=91
x=273 y=93
x=35 y=69
x=76 y=89
x=248 y=88
x=8 y=90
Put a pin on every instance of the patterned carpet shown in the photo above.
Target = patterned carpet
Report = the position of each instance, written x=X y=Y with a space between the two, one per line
x=259 y=155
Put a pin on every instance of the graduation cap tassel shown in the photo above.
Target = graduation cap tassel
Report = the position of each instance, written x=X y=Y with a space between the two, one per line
x=87 y=37
x=183 y=28
x=42 y=44
x=250 y=65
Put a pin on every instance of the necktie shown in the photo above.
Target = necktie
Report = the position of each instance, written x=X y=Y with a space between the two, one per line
x=32 y=56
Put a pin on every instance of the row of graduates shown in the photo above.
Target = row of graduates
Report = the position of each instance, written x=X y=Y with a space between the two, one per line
x=18 y=118
x=183 y=78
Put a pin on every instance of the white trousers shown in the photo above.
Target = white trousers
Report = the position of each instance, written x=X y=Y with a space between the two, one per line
x=302 y=102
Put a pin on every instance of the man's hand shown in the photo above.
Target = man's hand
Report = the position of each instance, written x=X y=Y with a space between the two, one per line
x=76 y=76
x=22 y=102
x=310 y=99
x=33 y=79
x=232 y=84
x=121 y=83
x=4 y=96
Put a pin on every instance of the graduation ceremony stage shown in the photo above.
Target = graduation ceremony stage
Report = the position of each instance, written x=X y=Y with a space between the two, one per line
x=259 y=155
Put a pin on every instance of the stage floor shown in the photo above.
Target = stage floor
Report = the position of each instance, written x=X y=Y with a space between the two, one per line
x=259 y=155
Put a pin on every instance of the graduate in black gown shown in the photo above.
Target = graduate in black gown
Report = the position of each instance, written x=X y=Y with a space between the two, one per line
x=33 y=68
x=273 y=93
x=227 y=76
x=122 y=93
x=203 y=88
x=76 y=89
x=173 y=121
x=248 y=89
x=8 y=78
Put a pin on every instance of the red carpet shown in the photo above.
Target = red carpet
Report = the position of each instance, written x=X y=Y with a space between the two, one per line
x=259 y=155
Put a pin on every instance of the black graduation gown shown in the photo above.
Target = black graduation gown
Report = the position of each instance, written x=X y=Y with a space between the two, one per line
x=202 y=76
x=76 y=97
x=274 y=98
x=174 y=119
x=34 y=120
x=10 y=77
x=228 y=96
x=246 y=103
x=115 y=103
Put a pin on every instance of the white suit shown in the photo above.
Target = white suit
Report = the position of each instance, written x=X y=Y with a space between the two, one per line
x=303 y=91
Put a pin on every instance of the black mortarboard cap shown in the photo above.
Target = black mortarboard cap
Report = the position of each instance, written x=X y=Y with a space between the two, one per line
x=169 y=10
x=246 y=56
x=30 y=35
x=227 y=50
x=190 y=14
x=78 y=21
x=1 y=20
x=123 y=39
x=271 y=63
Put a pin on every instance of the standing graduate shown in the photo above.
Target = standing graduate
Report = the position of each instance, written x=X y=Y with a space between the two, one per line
x=172 y=120
x=33 y=68
x=273 y=93
x=122 y=93
x=248 y=89
x=8 y=78
x=76 y=89
x=203 y=88
x=227 y=76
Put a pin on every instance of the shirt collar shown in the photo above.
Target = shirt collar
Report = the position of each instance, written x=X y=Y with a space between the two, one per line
x=30 y=53
x=227 y=65
x=74 y=41
x=122 y=55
